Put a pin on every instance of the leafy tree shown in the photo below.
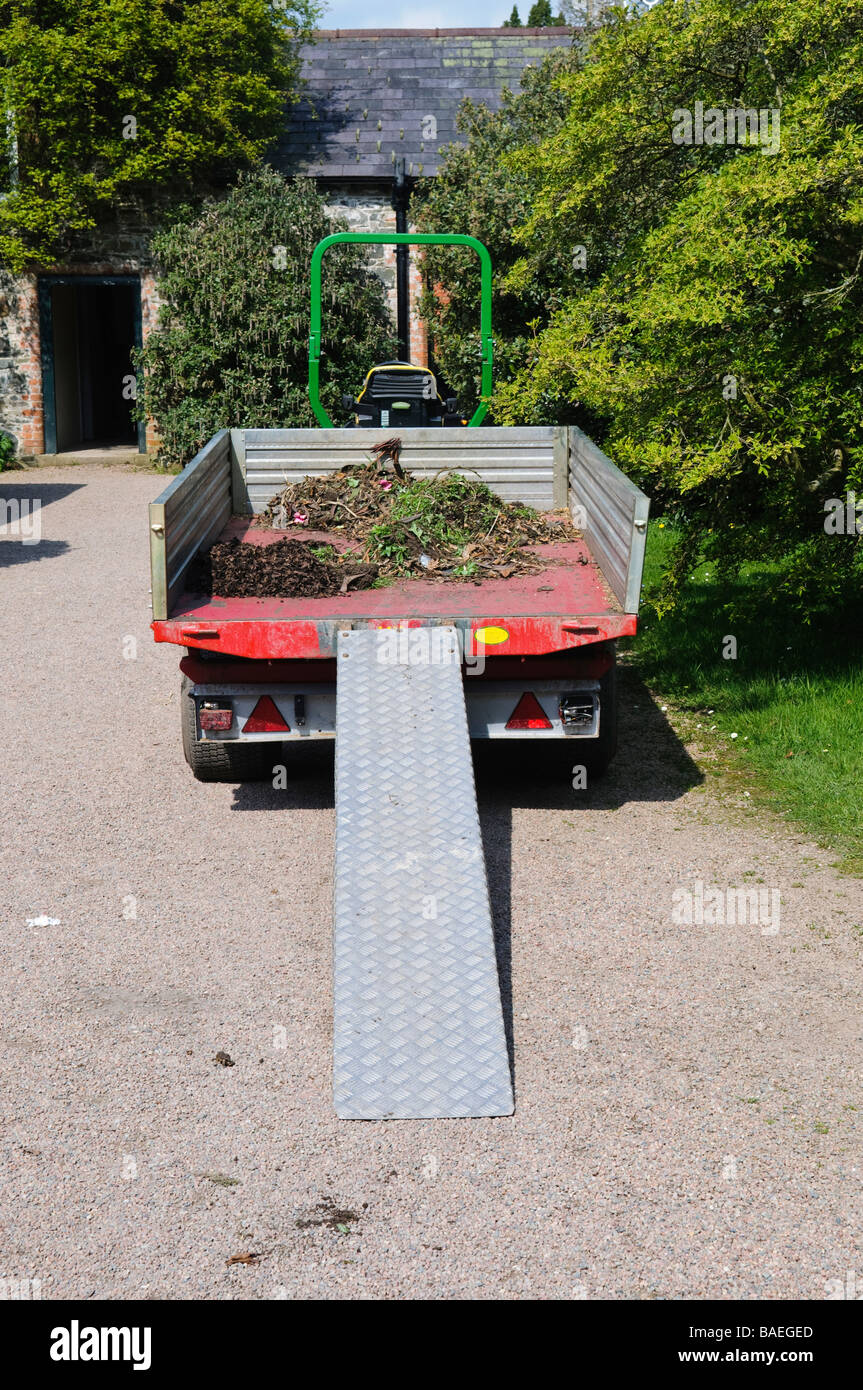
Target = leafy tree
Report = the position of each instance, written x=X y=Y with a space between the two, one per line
x=539 y=14
x=514 y=21
x=231 y=348
x=112 y=98
x=710 y=333
x=476 y=191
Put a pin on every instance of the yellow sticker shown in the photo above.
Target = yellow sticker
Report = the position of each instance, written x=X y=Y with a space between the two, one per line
x=491 y=636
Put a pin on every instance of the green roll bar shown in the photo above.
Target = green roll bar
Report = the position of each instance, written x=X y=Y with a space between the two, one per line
x=398 y=239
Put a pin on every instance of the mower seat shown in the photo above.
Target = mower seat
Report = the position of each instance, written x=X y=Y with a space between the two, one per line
x=398 y=394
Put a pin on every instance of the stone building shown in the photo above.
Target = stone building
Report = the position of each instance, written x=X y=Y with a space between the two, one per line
x=376 y=103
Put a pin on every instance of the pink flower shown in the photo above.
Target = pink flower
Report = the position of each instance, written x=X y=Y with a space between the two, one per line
x=299 y=519
x=385 y=483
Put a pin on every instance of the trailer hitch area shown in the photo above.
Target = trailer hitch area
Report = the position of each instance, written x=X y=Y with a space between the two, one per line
x=577 y=711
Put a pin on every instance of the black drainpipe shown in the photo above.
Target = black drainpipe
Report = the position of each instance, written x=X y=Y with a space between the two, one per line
x=401 y=194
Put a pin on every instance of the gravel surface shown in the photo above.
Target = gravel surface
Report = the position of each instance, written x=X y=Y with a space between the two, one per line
x=688 y=1096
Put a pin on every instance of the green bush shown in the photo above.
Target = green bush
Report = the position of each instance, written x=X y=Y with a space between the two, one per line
x=8 y=450
x=231 y=346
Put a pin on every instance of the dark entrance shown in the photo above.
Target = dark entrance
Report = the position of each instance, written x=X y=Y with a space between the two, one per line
x=89 y=325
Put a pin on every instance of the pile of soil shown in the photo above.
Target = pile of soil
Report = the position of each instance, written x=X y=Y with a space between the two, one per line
x=450 y=527
x=285 y=569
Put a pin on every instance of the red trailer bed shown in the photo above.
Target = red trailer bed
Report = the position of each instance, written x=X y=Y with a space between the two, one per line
x=566 y=604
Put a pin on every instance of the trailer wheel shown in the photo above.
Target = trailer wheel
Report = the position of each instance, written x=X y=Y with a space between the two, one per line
x=602 y=750
x=556 y=758
x=222 y=762
x=594 y=754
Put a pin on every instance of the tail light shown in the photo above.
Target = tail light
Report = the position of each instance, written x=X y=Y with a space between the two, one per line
x=216 y=718
x=528 y=714
x=266 y=719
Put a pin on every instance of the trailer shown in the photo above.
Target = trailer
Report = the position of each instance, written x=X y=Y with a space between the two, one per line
x=404 y=679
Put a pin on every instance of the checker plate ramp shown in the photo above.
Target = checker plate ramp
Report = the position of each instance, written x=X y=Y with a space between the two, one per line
x=418 y=1020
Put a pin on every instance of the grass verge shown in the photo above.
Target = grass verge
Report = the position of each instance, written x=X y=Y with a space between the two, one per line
x=764 y=692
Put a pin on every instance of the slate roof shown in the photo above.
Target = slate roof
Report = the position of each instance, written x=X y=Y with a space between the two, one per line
x=370 y=94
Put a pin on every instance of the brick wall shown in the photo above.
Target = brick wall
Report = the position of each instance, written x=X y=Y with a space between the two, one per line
x=150 y=305
x=418 y=332
x=20 y=367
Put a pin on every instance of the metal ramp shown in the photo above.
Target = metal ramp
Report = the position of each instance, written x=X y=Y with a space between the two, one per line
x=418 y=1021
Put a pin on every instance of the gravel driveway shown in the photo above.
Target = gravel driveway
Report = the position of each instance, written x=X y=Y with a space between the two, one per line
x=688 y=1095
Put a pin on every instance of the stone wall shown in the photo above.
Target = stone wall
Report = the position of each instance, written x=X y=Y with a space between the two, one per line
x=122 y=249
x=371 y=211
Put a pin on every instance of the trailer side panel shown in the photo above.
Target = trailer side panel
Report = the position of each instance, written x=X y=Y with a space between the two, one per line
x=187 y=517
x=612 y=512
x=519 y=465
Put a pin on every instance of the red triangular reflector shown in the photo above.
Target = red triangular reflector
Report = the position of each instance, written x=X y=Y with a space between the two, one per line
x=528 y=714
x=265 y=719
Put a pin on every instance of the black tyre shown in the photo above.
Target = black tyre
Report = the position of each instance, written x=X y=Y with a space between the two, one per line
x=555 y=759
x=223 y=762
x=601 y=750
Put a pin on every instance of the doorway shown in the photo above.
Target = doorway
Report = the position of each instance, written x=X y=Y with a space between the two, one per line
x=89 y=326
